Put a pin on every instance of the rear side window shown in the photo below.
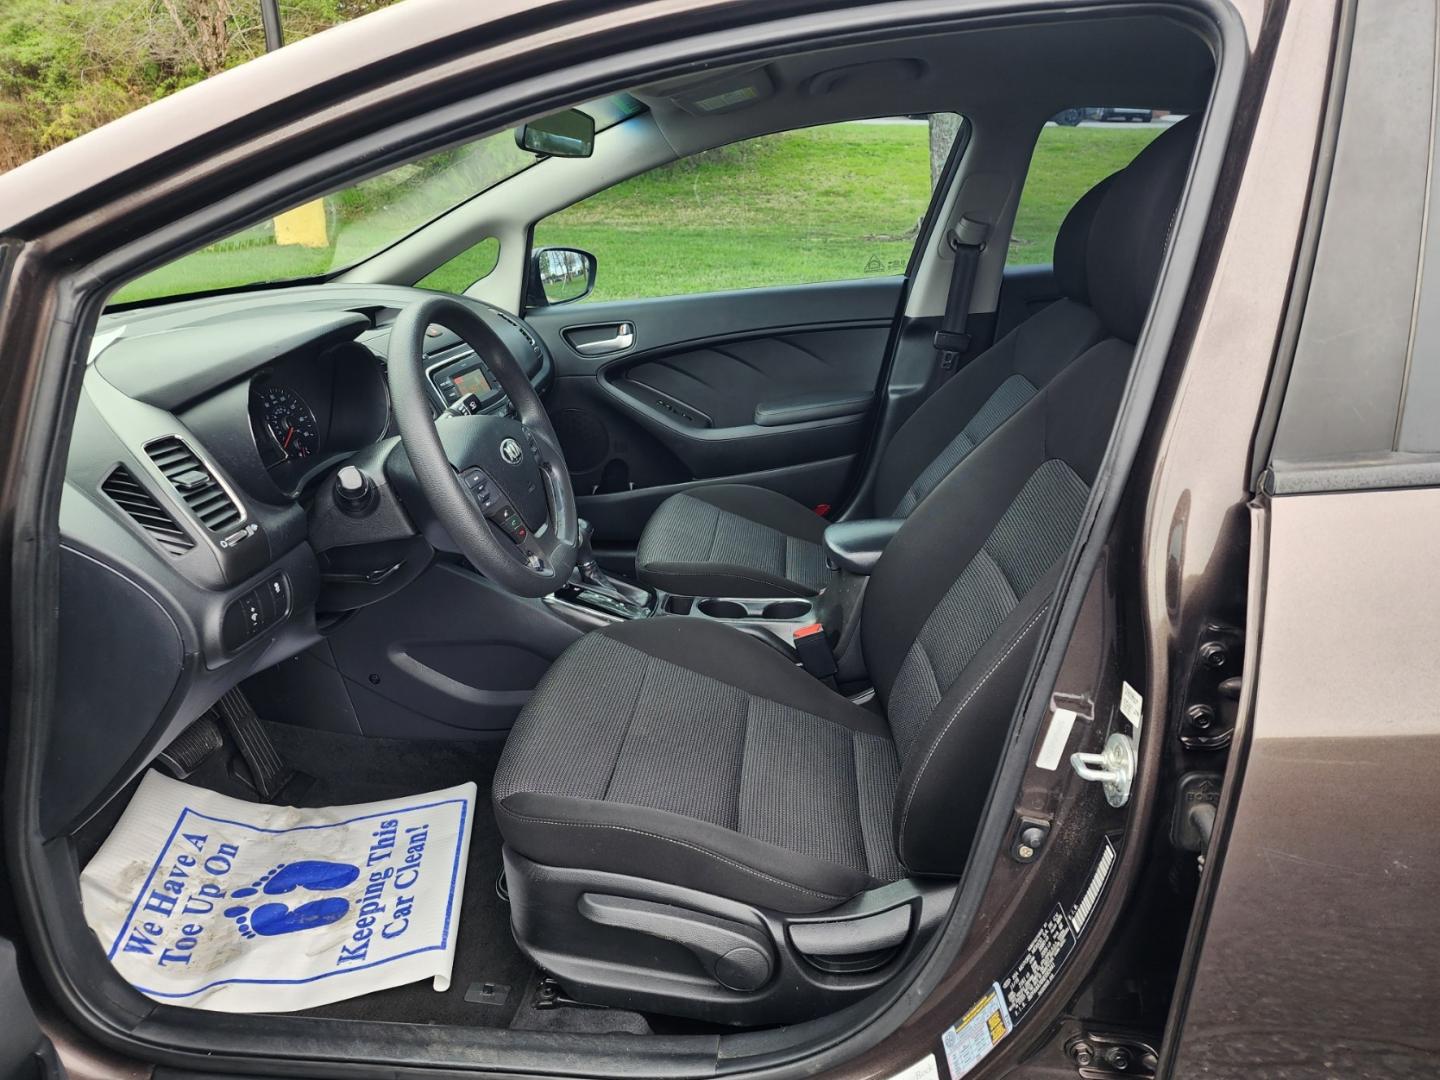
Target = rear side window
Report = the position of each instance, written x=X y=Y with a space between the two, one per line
x=1075 y=151
x=826 y=203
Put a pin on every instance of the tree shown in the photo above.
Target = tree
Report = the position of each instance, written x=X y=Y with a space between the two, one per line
x=205 y=33
x=944 y=127
x=67 y=66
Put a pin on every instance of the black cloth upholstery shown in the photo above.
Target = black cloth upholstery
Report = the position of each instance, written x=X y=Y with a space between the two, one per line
x=739 y=540
x=733 y=540
x=685 y=751
x=1134 y=223
x=688 y=752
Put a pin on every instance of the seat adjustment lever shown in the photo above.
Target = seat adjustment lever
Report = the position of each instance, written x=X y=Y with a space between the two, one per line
x=735 y=956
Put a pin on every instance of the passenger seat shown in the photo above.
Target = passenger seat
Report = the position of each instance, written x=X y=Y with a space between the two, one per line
x=740 y=540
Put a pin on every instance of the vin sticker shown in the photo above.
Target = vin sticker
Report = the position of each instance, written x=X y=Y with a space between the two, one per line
x=1049 y=948
x=995 y=1015
x=967 y=1043
x=1080 y=912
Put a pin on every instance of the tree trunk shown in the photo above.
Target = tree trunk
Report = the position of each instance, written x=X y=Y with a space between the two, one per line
x=943 y=129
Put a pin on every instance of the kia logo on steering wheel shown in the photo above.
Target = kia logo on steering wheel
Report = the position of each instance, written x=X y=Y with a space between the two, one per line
x=510 y=451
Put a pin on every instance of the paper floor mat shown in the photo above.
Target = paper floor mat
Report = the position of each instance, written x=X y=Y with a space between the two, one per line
x=215 y=903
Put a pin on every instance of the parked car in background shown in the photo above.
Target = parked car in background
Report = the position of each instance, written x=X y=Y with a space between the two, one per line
x=1128 y=116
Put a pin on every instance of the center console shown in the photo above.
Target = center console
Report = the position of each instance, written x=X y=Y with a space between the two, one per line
x=592 y=598
x=774 y=618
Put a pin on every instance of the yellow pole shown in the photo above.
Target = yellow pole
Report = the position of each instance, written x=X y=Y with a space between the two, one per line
x=304 y=226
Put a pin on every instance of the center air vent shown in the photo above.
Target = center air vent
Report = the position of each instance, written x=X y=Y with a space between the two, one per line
x=199 y=490
x=142 y=508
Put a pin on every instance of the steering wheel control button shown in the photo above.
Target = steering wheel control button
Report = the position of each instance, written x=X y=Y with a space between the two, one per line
x=466 y=405
x=479 y=485
x=354 y=491
x=510 y=521
x=535 y=562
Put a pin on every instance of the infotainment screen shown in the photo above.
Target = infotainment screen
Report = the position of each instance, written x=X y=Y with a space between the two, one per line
x=471 y=382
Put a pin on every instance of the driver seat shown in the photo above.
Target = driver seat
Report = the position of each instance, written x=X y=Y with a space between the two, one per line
x=694 y=825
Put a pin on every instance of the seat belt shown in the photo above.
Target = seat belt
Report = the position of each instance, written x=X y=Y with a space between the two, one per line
x=967 y=240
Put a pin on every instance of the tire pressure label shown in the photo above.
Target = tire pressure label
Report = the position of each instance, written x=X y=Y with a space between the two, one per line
x=987 y=1022
x=995 y=1015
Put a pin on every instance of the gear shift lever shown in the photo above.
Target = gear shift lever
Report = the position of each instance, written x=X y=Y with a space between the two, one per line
x=589 y=575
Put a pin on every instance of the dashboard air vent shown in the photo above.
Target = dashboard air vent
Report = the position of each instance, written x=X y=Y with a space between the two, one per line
x=524 y=331
x=200 y=491
x=142 y=508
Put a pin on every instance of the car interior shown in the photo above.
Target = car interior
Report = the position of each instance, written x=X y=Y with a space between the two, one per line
x=724 y=600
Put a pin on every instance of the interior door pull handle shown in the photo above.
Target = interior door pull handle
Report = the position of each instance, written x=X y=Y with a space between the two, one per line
x=623 y=339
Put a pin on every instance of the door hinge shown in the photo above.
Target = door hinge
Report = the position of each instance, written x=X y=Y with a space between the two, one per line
x=1101 y=1055
x=1212 y=696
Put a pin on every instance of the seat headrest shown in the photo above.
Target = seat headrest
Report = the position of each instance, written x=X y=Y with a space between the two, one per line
x=1072 y=243
x=1131 y=229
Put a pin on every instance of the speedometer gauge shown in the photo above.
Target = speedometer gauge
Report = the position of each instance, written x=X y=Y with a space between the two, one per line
x=290 y=422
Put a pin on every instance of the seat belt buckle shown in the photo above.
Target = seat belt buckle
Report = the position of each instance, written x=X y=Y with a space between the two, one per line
x=816 y=656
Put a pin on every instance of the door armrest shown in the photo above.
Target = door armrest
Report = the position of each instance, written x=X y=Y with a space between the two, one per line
x=856 y=546
x=821 y=406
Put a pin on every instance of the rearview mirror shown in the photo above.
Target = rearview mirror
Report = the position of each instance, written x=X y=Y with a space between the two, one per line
x=560 y=276
x=567 y=134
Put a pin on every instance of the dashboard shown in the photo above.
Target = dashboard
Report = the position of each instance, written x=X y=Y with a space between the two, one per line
x=201 y=538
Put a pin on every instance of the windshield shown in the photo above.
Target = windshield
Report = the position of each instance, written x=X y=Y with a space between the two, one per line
x=347 y=227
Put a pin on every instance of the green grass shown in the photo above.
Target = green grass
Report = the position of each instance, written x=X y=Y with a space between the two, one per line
x=823 y=204
x=1068 y=161
x=464 y=269
x=818 y=205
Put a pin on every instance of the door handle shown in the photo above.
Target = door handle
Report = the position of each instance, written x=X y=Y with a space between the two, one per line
x=623 y=339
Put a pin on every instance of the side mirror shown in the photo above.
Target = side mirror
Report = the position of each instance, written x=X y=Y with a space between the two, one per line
x=560 y=276
x=566 y=134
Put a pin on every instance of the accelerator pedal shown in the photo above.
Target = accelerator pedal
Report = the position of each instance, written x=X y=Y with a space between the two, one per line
x=191 y=748
x=268 y=772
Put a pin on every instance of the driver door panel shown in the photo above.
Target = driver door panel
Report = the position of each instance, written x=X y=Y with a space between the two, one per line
x=765 y=386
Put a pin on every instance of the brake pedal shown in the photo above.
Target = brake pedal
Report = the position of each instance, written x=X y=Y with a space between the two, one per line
x=189 y=750
x=268 y=772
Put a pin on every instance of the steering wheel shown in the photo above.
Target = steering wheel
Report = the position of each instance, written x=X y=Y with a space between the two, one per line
x=498 y=485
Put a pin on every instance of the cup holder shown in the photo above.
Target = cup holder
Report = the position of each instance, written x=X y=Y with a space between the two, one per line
x=722 y=609
x=786 y=609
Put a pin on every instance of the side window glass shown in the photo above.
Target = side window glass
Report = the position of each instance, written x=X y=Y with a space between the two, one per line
x=818 y=204
x=1076 y=149
x=464 y=269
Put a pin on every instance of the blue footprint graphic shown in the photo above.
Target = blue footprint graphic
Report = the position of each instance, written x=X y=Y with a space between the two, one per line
x=312 y=874
x=270 y=920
